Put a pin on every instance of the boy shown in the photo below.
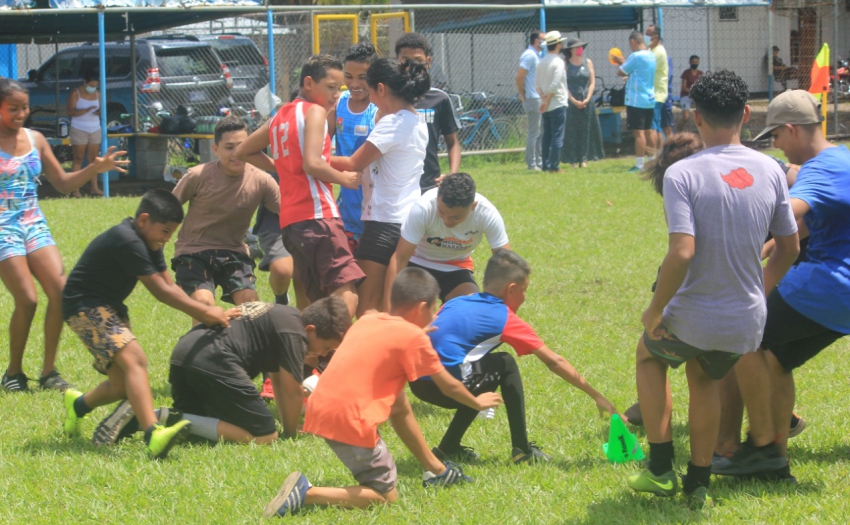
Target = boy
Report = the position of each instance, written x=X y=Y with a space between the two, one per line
x=301 y=148
x=383 y=351
x=708 y=310
x=435 y=109
x=467 y=330
x=441 y=232
x=93 y=306
x=351 y=122
x=212 y=370
x=222 y=196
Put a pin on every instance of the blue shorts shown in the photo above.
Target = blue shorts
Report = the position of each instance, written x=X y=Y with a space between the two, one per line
x=23 y=232
x=656 y=116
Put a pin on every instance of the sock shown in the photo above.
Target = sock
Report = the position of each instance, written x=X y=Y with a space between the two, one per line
x=80 y=407
x=639 y=162
x=660 y=457
x=205 y=427
x=148 y=433
x=697 y=477
x=282 y=299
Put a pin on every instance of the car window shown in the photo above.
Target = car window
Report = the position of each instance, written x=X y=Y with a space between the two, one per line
x=66 y=67
x=184 y=62
x=117 y=62
x=237 y=52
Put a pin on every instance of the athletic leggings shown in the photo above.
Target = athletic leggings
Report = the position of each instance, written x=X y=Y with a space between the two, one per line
x=494 y=370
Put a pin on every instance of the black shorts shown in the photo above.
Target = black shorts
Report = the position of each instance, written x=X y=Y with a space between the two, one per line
x=639 y=118
x=378 y=242
x=208 y=269
x=235 y=401
x=673 y=351
x=448 y=281
x=792 y=337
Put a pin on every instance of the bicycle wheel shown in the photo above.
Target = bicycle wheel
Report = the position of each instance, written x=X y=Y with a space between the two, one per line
x=502 y=134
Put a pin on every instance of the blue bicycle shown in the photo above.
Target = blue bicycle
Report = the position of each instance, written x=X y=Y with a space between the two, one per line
x=479 y=130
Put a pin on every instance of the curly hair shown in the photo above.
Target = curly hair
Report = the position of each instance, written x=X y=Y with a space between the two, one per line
x=362 y=52
x=679 y=146
x=457 y=190
x=720 y=97
x=413 y=41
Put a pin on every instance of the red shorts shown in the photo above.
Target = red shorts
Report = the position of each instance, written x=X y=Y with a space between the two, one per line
x=321 y=256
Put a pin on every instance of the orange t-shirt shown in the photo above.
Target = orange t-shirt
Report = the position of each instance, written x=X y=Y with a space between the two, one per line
x=379 y=354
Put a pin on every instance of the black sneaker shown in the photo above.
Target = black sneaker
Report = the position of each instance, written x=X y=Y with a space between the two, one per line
x=534 y=455
x=167 y=418
x=53 y=381
x=15 y=383
x=452 y=475
x=750 y=460
x=462 y=454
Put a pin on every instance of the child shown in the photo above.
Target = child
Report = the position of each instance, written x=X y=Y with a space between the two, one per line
x=467 y=331
x=382 y=351
x=708 y=310
x=27 y=249
x=93 y=307
x=212 y=370
x=312 y=230
x=442 y=230
x=435 y=109
x=222 y=196
x=351 y=122
x=392 y=161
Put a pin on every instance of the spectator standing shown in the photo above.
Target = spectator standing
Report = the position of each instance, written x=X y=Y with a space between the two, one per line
x=525 y=76
x=689 y=76
x=585 y=139
x=551 y=83
x=662 y=70
x=84 y=110
x=640 y=94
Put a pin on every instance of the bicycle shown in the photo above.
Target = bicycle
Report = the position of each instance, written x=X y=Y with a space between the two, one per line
x=478 y=129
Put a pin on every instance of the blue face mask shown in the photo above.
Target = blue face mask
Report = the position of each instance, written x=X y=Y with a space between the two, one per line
x=90 y=89
x=647 y=40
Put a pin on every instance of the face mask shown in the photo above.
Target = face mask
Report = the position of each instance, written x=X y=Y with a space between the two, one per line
x=647 y=40
x=694 y=66
x=579 y=51
x=90 y=89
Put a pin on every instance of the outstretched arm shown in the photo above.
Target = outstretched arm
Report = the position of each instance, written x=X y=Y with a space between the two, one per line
x=398 y=262
x=68 y=182
x=315 y=124
x=289 y=398
x=252 y=149
x=563 y=369
x=165 y=291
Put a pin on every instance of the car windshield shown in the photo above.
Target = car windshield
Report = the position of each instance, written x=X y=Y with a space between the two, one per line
x=237 y=52
x=184 y=62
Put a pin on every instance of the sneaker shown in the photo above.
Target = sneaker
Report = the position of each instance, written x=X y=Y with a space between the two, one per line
x=633 y=415
x=533 y=168
x=163 y=438
x=534 y=455
x=453 y=475
x=664 y=485
x=798 y=425
x=167 y=418
x=699 y=499
x=108 y=432
x=290 y=498
x=750 y=460
x=634 y=168
x=782 y=475
x=15 y=383
x=462 y=454
x=267 y=392
x=72 y=421
x=53 y=381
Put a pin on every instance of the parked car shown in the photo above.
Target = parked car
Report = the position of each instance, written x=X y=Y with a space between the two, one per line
x=170 y=72
x=247 y=65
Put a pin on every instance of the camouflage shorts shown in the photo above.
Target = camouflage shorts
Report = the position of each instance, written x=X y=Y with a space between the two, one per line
x=673 y=351
x=206 y=270
x=103 y=332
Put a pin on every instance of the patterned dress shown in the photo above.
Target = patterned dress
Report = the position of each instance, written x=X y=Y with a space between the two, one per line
x=583 y=135
x=23 y=228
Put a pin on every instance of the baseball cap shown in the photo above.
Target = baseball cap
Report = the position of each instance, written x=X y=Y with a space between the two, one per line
x=553 y=37
x=795 y=107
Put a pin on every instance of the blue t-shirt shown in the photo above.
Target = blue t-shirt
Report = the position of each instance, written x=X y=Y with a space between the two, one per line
x=819 y=287
x=640 y=86
x=351 y=132
x=528 y=61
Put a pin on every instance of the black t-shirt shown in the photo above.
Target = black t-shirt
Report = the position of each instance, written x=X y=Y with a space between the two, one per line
x=109 y=269
x=267 y=221
x=266 y=338
x=439 y=114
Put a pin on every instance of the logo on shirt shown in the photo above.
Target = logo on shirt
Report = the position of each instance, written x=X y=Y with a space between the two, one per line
x=739 y=179
x=426 y=115
x=449 y=243
x=361 y=130
x=339 y=124
x=254 y=310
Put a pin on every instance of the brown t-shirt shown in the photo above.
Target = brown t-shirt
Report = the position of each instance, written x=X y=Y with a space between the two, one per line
x=689 y=77
x=221 y=208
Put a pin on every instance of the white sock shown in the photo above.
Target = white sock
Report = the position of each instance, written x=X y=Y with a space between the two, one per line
x=205 y=427
x=639 y=161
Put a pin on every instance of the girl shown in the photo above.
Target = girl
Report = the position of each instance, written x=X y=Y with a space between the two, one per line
x=392 y=161
x=26 y=247
x=84 y=110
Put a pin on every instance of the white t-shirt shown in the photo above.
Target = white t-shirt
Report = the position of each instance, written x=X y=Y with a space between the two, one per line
x=391 y=183
x=448 y=249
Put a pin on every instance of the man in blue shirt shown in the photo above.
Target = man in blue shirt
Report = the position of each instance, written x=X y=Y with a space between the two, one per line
x=639 y=69
x=530 y=99
x=810 y=309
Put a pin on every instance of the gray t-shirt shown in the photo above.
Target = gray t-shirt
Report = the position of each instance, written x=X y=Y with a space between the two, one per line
x=728 y=198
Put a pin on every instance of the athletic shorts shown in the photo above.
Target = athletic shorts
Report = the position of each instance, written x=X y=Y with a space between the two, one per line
x=273 y=249
x=656 y=116
x=792 y=337
x=448 y=281
x=79 y=137
x=322 y=259
x=371 y=467
x=103 y=332
x=208 y=269
x=23 y=232
x=639 y=118
x=685 y=102
x=673 y=351
x=667 y=115
x=235 y=400
x=378 y=242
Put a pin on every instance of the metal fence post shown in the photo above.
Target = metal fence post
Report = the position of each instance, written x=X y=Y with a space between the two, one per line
x=835 y=125
x=769 y=54
x=272 y=79
x=101 y=41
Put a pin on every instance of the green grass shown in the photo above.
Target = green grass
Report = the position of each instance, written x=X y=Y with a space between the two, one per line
x=594 y=237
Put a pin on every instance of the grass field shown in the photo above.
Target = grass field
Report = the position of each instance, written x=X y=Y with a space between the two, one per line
x=594 y=237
